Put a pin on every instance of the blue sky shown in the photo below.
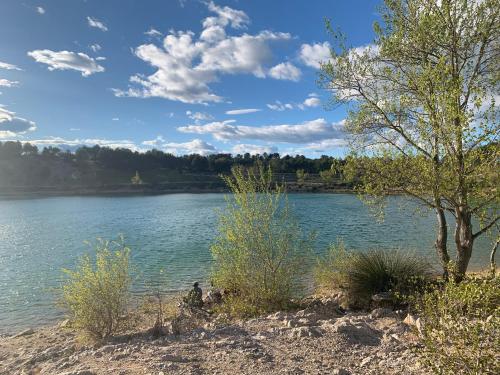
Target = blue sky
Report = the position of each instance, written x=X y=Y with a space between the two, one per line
x=182 y=76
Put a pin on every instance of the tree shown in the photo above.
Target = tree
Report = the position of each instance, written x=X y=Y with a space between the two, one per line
x=301 y=176
x=258 y=253
x=136 y=179
x=422 y=111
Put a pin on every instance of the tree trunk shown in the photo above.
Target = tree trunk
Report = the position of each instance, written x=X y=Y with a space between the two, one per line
x=493 y=265
x=463 y=240
x=441 y=241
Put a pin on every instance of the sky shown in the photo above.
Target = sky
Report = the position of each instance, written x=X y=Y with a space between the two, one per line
x=182 y=76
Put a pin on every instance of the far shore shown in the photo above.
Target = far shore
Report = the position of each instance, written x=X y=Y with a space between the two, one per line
x=132 y=191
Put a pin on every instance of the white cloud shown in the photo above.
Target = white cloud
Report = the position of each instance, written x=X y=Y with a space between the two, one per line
x=95 y=47
x=312 y=102
x=115 y=119
x=11 y=125
x=242 y=111
x=7 y=83
x=225 y=15
x=279 y=106
x=153 y=33
x=40 y=10
x=94 y=22
x=307 y=132
x=285 y=71
x=186 y=65
x=313 y=54
x=64 y=60
x=196 y=146
x=73 y=144
x=7 y=66
x=199 y=116
x=242 y=148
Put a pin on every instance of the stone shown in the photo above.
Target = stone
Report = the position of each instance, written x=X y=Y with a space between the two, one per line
x=300 y=332
x=174 y=358
x=410 y=320
x=340 y=371
x=357 y=333
x=381 y=313
x=384 y=299
x=65 y=323
x=365 y=361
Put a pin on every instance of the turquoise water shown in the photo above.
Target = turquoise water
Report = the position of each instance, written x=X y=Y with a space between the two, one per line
x=39 y=237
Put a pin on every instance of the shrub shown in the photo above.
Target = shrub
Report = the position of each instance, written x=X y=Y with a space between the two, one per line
x=363 y=274
x=258 y=250
x=461 y=327
x=96 y=294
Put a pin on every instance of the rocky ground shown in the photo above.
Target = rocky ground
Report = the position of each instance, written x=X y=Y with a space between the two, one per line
x=319 y=339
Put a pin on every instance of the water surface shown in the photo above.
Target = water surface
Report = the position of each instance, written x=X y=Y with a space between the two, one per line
x=39 y=237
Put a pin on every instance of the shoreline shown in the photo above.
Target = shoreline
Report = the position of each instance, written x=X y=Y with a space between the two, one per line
x=315 y=338
x=14 y=195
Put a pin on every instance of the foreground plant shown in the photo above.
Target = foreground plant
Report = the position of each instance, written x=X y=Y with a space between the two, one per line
x=363 y=274
x=461 y=327
x=96 y=294
x=259 y=248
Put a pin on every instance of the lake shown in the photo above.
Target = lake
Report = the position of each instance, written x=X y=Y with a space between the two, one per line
x=39 y=237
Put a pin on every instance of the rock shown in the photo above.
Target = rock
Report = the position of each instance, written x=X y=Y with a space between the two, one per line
x=381 y=313
x=365 y=361
x=65 y=323
x=340 y=371
x=107 y=349
x=384 y=299
x=357 y=333
x=280 y=315
x=26 y=332
x=174 y=358
x=305 y=332
x=412 y=320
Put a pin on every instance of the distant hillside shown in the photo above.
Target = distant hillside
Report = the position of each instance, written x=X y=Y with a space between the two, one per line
x=24 y=169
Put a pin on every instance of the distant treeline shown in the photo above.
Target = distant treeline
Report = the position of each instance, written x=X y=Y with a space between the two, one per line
x=24 y=165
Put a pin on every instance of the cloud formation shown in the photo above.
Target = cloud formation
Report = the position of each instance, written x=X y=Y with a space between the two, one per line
x=40 y=10
x=11 y=125
x=7 y=66
x=242 y=111
x=186 y=65
x=66 y=60
x=285 y=71
x=314 y=54
x=6 y=83
x=310 y=102
x=95 y=47
x=199 y=116
x=153 y=33
x=307 y=132
x=196 y=146
x=94 y=22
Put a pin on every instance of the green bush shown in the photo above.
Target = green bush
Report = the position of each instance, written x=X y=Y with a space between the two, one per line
x=363 y=274
x=461 y=327
x=259 y=250
x=96 y=294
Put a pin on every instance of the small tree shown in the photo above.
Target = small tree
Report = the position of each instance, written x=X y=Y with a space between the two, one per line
x=422 y=112
x=96 y=294
x=258 y=250
x=301 y=176
x=136 y=180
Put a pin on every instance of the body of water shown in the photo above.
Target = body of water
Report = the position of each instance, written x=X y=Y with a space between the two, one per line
x=40 y=237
